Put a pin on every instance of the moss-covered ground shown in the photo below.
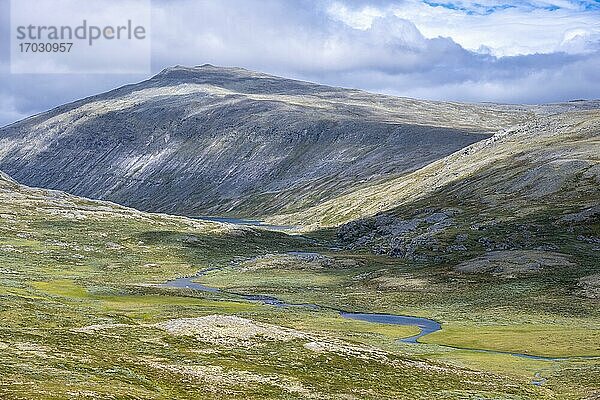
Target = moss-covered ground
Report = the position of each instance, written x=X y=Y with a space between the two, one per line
x=68 y=266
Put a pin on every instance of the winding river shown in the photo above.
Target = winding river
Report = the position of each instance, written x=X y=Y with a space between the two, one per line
x=425 y=325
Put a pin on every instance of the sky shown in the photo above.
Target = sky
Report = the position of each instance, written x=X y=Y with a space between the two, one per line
x=523 y=51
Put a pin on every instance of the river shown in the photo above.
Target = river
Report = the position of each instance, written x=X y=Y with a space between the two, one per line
x=425 y=325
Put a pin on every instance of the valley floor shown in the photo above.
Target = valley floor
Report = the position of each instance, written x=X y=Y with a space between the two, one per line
x=84 y=315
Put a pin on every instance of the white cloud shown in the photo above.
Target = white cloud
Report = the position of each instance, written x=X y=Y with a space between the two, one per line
x=521 y=28
x=8 y=109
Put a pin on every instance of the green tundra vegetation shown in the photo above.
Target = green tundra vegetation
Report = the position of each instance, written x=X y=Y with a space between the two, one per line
x=84 y=314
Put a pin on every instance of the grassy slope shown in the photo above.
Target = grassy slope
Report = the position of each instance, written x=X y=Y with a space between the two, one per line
x=69 y=263
x=538 y=315
x=514 y=171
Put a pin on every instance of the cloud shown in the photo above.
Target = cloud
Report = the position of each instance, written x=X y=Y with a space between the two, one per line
x=369 y=45
x=506 y=28
x=533 y=51
x=8 y=110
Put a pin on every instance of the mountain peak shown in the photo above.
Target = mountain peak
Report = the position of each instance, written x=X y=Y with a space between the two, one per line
x=207 y=71
x=236 y=79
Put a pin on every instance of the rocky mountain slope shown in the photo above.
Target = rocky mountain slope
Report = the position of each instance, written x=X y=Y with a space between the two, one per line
x=210 y=140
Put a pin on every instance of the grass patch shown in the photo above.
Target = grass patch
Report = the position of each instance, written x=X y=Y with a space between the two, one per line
x=542 y=340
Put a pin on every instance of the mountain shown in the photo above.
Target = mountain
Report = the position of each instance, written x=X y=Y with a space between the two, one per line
x=209 y=140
